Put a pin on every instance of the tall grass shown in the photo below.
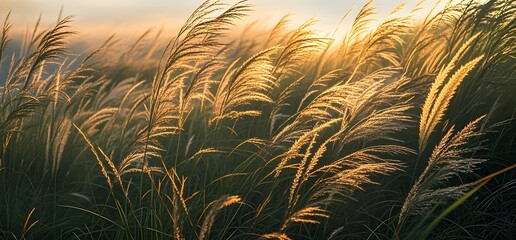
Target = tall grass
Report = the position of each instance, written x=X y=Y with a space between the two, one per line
x=296 y=136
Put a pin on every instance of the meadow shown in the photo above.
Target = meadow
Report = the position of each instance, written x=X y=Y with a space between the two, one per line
x=403 y=131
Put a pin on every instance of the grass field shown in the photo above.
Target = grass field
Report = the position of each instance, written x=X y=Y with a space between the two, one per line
x=404 y=131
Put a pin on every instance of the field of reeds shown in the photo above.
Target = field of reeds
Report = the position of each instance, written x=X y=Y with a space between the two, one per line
x=404 y=131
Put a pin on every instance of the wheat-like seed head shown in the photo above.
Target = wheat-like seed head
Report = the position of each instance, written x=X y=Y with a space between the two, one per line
x=433 y=111
x=308 y=214
x=299 y=143
x=99 y=161
x=216 y=206
x=279 y=236
x=244 y=86
x=449 y=159
x=299 y=173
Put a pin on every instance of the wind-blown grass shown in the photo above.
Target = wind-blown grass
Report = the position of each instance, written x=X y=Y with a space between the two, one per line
x=208 y=137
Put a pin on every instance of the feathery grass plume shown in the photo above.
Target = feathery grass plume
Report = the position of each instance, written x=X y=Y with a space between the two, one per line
x=358 y=29
x=308 y=214
x=52 y=46
x=360 y=104
x=277 y=30
x=299 y=173
x=121 y=60
x=215 y=208
x=335 y=233
x=198 y=37
x=204 y=151
x=366 y=155
x=350 y=46
x=379 y=125
x=319 y=85
x=130 y=95
x=333 y=101
x=437 y=103
x=196 y=40
x=449 y=159
x=115 y=172
x=300 y=47
x=282 y=101
x=352 y=101
x=328 y=53
x=381 y=45
x=349 y=173
x=199 y=84
x=4 y=41
x=60 y=141
x=425 y=41
x=294 y=150
x=316 y=157
x=403 y=88
x=178 y=199
x=441 y=77
x=85 y=90
x=438 y=39
x=279 y=236
x=349 y=100
x=341 y=177
x=243 y=86
x=13 y=115
x=494 y=26
x=99 y=161
x=287 y=97
x=22 y=94
x=100 y=117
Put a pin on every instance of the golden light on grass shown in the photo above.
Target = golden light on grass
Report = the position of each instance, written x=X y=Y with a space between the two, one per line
x=284 y=133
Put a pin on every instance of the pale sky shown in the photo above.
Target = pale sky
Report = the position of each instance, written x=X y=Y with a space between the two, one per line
x=135 y=16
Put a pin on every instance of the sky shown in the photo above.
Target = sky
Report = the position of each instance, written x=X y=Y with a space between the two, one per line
x=135 y=16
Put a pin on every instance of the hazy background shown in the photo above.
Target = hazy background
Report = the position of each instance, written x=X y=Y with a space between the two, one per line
x=132 y=17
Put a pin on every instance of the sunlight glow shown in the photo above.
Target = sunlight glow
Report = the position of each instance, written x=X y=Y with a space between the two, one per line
x=135 y=16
